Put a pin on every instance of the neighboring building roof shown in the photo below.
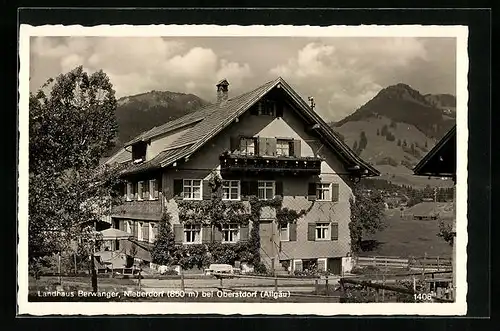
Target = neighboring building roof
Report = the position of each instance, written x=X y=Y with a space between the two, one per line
x=442 y=209
x=210 y=120
x=441 y=159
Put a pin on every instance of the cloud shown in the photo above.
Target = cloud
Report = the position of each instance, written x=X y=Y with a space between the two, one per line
x=137 y=65
x=344 y=73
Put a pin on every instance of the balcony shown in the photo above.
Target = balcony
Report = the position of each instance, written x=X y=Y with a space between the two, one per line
x=255 y=164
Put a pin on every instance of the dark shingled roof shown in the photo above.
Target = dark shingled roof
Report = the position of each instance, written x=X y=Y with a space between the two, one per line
x=210 y=120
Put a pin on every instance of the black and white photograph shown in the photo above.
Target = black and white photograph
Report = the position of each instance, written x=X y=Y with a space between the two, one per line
x=242 y=170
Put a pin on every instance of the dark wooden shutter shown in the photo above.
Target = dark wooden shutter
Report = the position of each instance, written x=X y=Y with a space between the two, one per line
x=262 y=146
x=207 y=190
x=335 y=192
x=206 y=234
x=311 y=191
x=135 y=186
x=217 y=234
x=279 y=109
x=244 y=231
x=136 y=229
x=253 y=188
x=311 y=231
x=293 y=232
x=145 y=190
x=178 y=233
x=296 y=148
x=121 y=225
x=271 y=146
x=279 y=188
x=335 y=231
x=245 y=189
x=178 y=188
x=234 y=144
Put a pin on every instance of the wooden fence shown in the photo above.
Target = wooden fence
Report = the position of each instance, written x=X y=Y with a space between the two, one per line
x=412 y=263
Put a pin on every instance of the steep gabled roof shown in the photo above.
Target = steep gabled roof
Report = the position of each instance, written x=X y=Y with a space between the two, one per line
x=441 y=159
x=212 y=119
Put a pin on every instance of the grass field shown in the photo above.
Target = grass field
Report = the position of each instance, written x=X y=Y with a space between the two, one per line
x=404 y=238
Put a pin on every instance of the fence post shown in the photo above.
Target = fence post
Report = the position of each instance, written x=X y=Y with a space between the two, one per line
x=76 y=268
x=326 y=285
x=316 y=287
x=182 y=279
x=59 y=267
x=139 y=280
x=438 y=262
x=423 y=266
x=220 y=278
x=276 y=284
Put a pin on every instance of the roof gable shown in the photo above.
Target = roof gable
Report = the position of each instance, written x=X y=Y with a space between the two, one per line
x=441 y=159
x=219 y=116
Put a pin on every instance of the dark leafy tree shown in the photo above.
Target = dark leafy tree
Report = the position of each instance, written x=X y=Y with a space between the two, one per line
x=71 y=127
x=399 y=142
x=165 y=241
x=446 y=232
x=355 y=146
x=384 y=130
x=367 y=216
x=404 y=143
x=363 y=142
x=378 y=132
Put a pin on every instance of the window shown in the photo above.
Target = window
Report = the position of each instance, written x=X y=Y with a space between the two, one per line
x=231 y=190
x=192 y=189
x=283 y=147
x=230 y=233
x=322 y=231
x=152 y=229
x=323 y=192
x=139 y=190
x=139 y=231
x=247 y=146
x=128 y=228
x=284 y=232
x=266 y=190
x=192 y=233
x=267 y=107
x=130 y=191
x=153 y=189
x=145 y=190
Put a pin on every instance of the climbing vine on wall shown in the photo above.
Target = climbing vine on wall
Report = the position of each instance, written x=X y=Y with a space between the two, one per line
x=217 y=212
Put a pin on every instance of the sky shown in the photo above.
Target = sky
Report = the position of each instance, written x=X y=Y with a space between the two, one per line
x=341 y=73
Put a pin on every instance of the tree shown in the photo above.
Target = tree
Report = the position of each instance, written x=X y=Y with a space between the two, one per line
x=426 y=144
x=355 y=147
x=70 y=129
x=362 y=141
x=165 y=241
x=378 y=132
x=367 y=216
x=404 y=143
x=399 y=142
x=384 y=130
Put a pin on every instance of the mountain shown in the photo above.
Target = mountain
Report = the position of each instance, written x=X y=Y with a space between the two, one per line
x=395 y=129
x=141 y=112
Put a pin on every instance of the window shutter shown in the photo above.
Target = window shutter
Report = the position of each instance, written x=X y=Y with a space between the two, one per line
x=279 y=188
x=245 y=189
x=206 y=234
x=321 y=265
x=178 y=187
x=271 y=146
x=311 y=229
x=154 y=231
x=121 y=225
x=234 y=144
x=207 y=190
x=135 y=187
x=296 y=148
x=159 y=183
x=136 y=229
x=244 y=232
x=335 y=231
x=262 y=146
x=145 y=190
x=297 y=265
x=279 y=109
x=217 y=233
x=145 y=231
x=253 y=188
x=311 y=191
x=293 y=232
x=335 y=192
x=178 y=233
x=156 y=189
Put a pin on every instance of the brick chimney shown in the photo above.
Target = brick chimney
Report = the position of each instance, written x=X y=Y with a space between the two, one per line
x=222 y=90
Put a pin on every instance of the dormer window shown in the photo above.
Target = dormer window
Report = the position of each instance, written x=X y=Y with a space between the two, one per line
x=139 y=152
